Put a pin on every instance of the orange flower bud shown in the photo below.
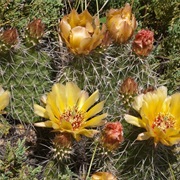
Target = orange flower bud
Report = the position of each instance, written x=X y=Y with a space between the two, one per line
x=10 y=37
x=121 y=23
x=103 y=176
x=143 y=42
x=81 y=32
x=35 y=29
x=112 y=135
x=129 y=87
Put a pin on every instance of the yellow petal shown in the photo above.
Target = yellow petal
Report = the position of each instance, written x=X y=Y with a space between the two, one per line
x=59 y=91
x=90 y=101
x=51 y=103
x=138 y=101
x=175 y=108
x=65 y=28
x=174 y=140
x=73 y=18
x=134 y=121
x=83 y=97
x=40 y=111
x=87 y=132
x=78 y=33
x=72 y=94
x=44 y=124
x=143 y=136
x=65 y=125
x=96 y=121
x=153 y=103
x=51 y=115
x=95 y=110
x=4 y=99
x=85 y=17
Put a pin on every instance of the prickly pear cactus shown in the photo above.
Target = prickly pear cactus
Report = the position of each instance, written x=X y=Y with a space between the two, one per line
x=106 y=70
x=27 y=75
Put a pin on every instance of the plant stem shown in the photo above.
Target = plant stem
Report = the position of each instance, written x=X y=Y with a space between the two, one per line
x=91 y=161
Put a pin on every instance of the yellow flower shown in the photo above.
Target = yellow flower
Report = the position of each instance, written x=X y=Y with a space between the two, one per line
x=121 y=23
x=70 y=109
x=81 y=32
x=4 y=99
x=159 y=115
x=103 y=176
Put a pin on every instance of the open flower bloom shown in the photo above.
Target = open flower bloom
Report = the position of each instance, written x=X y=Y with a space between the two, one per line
x=81 y=32
x=121 y=23
x=143 y=42
x=103 y=176
x=4 y=99
x=70 y=109
x=159 y=115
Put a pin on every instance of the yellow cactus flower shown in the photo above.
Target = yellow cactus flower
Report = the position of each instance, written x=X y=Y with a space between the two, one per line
x=81 y=32
x=103 y=176
x=4 y=99
x=159 y=115
x=121 y=23
x=70 y=109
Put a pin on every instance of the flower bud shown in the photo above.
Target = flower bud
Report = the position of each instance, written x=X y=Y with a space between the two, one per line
x=129 y=87
x=143 y=42
x=81 y=32
x=36 y=28
x=103 y=176
x=10 y=37
x=112 y=135
x=121 y=23
x=62 y=146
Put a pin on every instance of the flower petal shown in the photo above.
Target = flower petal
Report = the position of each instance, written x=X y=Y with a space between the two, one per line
x=4 y=99
x=90 y=101
x=94 y=110
x=134 y=121
x=44 y=124
x=60 y=100
x=96 y=121
x=40 y=111
x=175 y=108
x=72 y=94
x=65 y=28
x=83 y=97
x=86 y=132
x=143 y=136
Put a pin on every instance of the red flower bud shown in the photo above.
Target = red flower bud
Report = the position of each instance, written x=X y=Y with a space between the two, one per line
x=143 y=42
x=10 y=37
x=112 y=135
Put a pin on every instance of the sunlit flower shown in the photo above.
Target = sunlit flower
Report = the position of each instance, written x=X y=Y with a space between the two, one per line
x=121 y=23
x=143 y=42
x=103 y=176
x=112 y=135
x=159 y=115
x=70 y=109
x=81 y=32
x=4 y=99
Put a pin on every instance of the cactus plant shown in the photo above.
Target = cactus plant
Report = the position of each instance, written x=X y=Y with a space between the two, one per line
x=26 y=74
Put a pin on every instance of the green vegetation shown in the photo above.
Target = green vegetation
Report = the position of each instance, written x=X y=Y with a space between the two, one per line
x=28 y=70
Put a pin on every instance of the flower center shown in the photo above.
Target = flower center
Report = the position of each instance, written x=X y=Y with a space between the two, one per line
x=73 y=116
x=163 y=121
